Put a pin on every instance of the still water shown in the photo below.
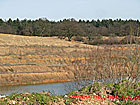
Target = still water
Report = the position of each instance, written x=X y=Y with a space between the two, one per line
x=55 y=88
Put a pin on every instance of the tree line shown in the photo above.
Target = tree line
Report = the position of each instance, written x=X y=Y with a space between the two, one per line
x=70 y=27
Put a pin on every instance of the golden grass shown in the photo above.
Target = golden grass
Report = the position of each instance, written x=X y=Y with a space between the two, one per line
x=35 y=78
x=44 y=52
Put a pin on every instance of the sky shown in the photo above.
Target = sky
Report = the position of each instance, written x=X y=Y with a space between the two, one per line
x=78 y=9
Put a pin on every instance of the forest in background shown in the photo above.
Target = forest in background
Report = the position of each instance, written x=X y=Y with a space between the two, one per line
x=70 y=27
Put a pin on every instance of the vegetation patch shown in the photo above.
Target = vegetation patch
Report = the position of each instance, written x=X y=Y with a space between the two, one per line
x=97 y=88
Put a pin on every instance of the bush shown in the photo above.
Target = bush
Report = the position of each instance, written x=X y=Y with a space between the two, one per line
x=78 y=38
x=61 y=37
x=109 y=41
x=96 y=42
x=95 y=37
x=130 y=40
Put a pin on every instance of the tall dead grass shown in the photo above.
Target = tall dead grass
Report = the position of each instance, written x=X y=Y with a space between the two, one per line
x=108 y=64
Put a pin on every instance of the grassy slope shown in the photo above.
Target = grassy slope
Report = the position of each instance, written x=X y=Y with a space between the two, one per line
x=25 y=60
x=34 y=58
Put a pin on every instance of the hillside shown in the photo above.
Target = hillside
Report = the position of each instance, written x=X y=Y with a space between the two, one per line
x=27 y=60
x=33 y=60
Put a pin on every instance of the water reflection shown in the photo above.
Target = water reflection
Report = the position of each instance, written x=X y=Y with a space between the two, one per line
x=56 y=88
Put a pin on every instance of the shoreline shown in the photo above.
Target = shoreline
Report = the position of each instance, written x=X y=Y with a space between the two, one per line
x=38 y=83
x=35 y=78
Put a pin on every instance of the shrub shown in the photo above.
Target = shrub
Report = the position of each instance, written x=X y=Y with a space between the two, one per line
x=130 y=40
x=96 y=42
x=114 y=40
x=61 y=37
x=78 y=38
x=109 y=41
x=95 y=37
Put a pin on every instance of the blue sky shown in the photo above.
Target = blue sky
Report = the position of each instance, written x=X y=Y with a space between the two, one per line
x=78 y=9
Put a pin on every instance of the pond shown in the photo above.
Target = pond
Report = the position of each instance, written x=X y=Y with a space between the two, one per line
x=54 y=88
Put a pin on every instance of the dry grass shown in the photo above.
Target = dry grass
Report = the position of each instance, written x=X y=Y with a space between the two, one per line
x=35 y=78
x=34 y=57
x=7 y=39
x=37 y=55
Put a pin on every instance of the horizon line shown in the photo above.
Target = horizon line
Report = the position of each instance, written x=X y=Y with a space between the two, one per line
x=26 y=18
